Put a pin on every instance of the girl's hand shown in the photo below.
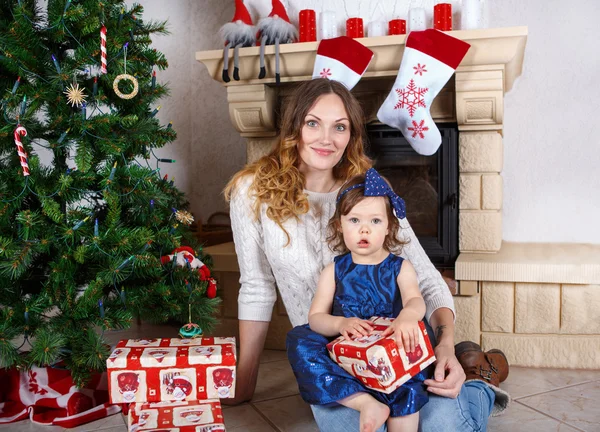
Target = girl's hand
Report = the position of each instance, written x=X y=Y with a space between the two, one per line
x=355 y=327
x=406 y=329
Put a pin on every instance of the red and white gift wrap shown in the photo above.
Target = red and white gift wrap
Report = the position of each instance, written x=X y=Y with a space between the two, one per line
x=103 y=50
x=155 y=370
x=19 y=132
x=378 y=362
x=190 y=416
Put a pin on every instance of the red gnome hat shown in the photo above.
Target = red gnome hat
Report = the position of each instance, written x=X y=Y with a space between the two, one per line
x=273 y=30
x=240 y=32
x=279 y=10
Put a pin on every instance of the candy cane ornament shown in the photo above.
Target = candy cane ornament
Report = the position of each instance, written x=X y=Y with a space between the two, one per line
x=21 y=131
x=103 y=49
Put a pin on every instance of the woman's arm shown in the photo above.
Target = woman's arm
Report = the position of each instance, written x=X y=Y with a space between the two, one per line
x=449 y=375
x=257 y=291
x=434 y=290
x=320 y=319
x=252 y=342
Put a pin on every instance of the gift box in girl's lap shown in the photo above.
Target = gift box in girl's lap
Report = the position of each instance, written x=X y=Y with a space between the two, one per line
x=187 y=416
x=154 y=370
x=377 y=361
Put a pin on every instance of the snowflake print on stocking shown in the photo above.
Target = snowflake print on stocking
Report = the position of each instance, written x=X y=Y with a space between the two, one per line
x=418 y=129
x=411 y=98
x=325 y=73
x=430 y=58
x=420 y=69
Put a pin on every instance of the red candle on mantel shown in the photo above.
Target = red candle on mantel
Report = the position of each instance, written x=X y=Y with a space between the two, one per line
x=442 y=16
x=307 y=24
x=397 y=27
x=354 y=28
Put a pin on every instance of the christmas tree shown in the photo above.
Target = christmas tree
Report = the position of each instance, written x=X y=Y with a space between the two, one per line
x=83 y=233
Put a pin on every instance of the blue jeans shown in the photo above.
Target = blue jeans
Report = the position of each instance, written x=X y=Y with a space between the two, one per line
x=469 y=412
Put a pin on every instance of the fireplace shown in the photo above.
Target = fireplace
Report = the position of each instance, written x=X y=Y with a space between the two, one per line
x=428 y=185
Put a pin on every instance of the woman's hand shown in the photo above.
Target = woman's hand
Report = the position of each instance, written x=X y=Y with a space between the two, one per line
x=442 y=384
x=355 y=327
x=406 y=330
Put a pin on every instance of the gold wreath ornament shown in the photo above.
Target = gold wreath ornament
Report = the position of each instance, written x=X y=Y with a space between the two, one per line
x=129 y=78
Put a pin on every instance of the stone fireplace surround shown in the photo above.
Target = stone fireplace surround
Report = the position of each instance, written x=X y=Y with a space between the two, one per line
x=540 y=303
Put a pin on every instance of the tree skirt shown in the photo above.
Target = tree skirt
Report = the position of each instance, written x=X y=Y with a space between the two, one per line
x=48 y=397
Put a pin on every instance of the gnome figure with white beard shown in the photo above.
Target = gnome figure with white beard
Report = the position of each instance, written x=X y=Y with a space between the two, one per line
x=240 y=32
x=274 y=30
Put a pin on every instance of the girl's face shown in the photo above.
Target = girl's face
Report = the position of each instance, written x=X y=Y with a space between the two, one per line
x=325 y=134
x=364 y=229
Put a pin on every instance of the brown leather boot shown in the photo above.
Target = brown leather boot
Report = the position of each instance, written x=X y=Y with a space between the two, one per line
x=490 y=367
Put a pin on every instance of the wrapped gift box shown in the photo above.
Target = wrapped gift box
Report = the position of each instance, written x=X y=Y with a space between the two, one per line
x=377 y=361
x=154 y=370
x=188 y=416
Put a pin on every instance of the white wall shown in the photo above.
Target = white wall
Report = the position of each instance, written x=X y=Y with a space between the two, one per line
x=552 y=149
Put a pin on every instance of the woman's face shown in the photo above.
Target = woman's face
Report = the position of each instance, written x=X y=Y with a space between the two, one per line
x=325 y=134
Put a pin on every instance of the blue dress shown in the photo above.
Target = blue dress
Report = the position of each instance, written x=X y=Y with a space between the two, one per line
x=361 y=291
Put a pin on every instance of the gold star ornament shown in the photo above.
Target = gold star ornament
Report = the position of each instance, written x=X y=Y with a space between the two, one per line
x=184 y=217
x=75 y=95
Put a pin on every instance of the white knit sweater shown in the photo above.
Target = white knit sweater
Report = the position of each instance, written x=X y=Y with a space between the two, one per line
x=266 y=263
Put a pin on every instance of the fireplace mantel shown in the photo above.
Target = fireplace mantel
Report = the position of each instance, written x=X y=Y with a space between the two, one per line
x=473 y=99
x=491 y=49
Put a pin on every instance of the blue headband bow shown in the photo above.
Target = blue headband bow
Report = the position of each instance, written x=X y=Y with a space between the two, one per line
x=375 y=185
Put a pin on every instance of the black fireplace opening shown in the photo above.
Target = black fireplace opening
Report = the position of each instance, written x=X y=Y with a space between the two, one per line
x=428 y=185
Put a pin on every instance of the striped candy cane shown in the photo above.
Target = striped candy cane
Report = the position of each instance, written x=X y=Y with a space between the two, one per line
x=21 y=131
x=103 y=49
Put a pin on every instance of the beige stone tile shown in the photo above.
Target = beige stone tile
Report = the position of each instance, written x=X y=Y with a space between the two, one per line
x=491 y=192
x=537 y=308
x=469 y=188
x=519 y=418
x=522 y=382
x=272 y=355
x=497 y=307
x=275 y=380
x=546 y=351
x=576 y=406
x=480 y=152
x=467 y=326
x=244 y=418
x=580 y=311
x=290 y=414
x=28 y=426
x=480 y=231
x=111 y=422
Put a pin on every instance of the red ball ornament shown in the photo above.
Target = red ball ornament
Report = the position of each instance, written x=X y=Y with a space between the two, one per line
x=211 y=290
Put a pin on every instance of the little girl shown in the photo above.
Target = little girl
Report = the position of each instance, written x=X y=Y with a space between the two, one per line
x=367 y=280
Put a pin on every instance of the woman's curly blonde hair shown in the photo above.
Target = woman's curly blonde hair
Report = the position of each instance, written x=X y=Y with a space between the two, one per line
x=277 y=181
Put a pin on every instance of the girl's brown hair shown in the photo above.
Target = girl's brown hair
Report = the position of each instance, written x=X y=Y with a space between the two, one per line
x=346 y=203
x=277 y=180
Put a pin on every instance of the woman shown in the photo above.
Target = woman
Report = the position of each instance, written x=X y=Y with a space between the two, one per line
x=280 y=208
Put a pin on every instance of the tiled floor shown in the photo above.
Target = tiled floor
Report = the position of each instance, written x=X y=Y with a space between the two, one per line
x=543 y=400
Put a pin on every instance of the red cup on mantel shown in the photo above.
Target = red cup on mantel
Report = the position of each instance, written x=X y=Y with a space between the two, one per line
x=354 y=28
x=307 y=24
x=397 y=27
x=442 y=16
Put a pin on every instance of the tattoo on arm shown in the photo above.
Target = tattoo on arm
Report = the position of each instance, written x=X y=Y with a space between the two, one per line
x=439 y=331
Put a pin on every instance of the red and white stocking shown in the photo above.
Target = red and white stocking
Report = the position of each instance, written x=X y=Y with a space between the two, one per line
x=430 y=58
